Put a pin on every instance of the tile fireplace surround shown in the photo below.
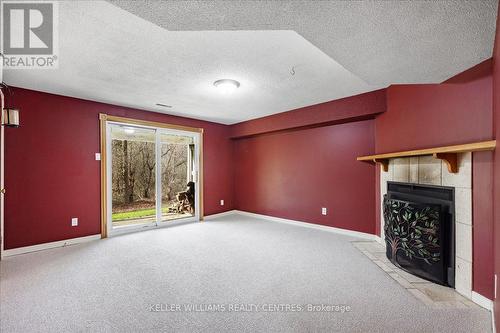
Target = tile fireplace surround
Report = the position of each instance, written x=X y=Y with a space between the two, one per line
x=430 y=171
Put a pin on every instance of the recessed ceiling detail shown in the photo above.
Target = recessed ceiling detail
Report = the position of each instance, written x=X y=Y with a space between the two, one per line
x=285 y=54
x=382 y=42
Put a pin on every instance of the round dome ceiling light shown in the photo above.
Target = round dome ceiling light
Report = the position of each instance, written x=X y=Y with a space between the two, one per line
x=226 y=86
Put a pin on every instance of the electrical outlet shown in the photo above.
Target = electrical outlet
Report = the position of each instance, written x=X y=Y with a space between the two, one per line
x=97 y=156
x=222 y=202
x=74 y=221
x=323 y=211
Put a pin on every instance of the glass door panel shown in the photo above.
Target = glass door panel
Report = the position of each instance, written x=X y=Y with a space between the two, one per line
x=177 y=176
x=133 y=175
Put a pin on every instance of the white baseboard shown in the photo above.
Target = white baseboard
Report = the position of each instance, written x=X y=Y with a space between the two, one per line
x=493 y=319
x=487 y=304
x=51 y=245
x=482 y=301
x=215 y=216
x=310 y=225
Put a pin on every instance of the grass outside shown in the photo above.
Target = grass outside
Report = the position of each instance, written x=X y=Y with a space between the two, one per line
x=136 y=214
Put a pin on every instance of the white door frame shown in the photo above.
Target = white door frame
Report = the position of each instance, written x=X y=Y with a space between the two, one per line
x=106 y=186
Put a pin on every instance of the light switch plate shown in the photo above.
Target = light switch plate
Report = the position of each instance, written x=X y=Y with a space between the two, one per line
x=323 y=211
x=74 y=221
x=97 y=156
x=222 y=202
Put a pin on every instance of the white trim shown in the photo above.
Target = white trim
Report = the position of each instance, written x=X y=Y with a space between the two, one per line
x=123 y=230
x=297 y=223
x=379 y=240
x=493 y=319
x=491 y=307
x=216 y=216
x=51 y=245
x=341 y=231
x=109 y=180
x=482 y=301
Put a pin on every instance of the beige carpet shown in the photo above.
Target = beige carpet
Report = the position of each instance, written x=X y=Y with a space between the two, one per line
x=194 y=278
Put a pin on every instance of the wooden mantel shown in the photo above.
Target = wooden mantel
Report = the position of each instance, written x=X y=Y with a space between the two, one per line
x=448 y=154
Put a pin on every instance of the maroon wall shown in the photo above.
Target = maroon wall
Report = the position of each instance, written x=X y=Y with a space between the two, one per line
x=359 y=107
x=294 y=174
x=459 y=111
x=482 y=216
x=52 y=175
x=292 y=164
x=496 y=171
x=482 y=205
x=429 y=115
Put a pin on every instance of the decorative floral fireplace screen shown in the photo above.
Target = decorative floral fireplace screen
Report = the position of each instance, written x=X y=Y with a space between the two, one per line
x=418 y=232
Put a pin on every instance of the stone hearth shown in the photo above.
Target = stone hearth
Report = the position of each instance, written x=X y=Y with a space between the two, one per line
x=431 y=294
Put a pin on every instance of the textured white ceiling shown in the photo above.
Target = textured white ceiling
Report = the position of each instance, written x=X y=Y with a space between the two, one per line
x=382 y=42
x=333 y=49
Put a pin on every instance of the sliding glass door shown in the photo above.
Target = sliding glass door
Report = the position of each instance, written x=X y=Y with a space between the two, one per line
x=133 y=175
x=152 y=176
x=177 y=176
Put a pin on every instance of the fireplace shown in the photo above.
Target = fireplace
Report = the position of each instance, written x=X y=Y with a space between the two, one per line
x=419 y=230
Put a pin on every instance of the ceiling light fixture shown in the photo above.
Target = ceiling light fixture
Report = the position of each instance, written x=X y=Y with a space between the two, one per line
x=226 y=86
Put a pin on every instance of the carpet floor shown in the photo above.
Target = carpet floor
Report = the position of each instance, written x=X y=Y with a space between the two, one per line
x=235 y=273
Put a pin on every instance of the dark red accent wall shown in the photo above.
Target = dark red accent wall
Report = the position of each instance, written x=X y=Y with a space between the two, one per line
x=359 y=107
x=482 y=216
x=496 y=171
x=292 y=164
x=52 y=175
x=294 y=174
x=430 y=115
x=460 y=111
x=481 y=70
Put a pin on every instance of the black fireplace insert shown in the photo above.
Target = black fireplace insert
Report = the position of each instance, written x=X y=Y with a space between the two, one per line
x=419 y=230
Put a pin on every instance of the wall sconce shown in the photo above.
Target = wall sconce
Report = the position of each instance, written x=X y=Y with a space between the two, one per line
x=10 y=117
